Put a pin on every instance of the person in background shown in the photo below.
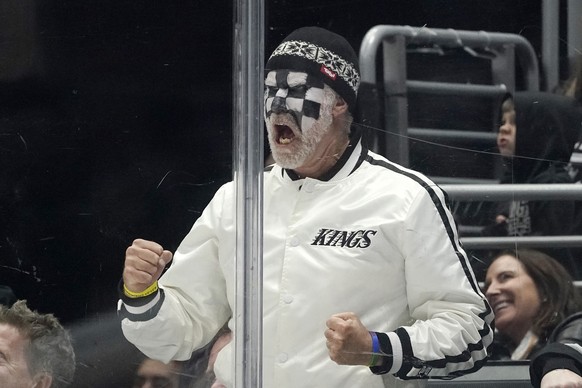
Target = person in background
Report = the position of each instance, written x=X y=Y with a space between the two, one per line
x=7 y=297
x=197 y=372
x=365 y=282
x=536 y=308
x=223 y=338
x=573 y=88
x=201 y=364
x=35 y=350
x=575 y=165
x=156 y=374
x=536 y=139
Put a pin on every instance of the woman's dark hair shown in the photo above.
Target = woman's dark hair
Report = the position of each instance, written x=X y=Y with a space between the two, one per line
x=559 y=298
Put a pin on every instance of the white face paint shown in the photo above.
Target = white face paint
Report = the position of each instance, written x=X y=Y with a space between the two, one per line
x=291 y=145
x=299 y=94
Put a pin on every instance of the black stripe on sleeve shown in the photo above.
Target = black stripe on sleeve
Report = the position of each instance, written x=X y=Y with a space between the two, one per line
x=441 y=206
x=146 y=316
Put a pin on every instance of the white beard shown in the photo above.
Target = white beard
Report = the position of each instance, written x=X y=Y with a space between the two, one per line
x=306 y=141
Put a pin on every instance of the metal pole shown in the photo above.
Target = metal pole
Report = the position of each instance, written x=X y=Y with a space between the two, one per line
x=396 y=106
x=550 y=40
x=248 y=166
x=574 y=30
x=514 y=192
x=522 y=241
x=524 y=51
x=457 y=89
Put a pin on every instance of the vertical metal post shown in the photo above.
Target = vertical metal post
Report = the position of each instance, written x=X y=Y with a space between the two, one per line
x=503 y=67
x=574 y=30
x=550 y=40
x=248 y=167
x=503 y=72
x=396 y=109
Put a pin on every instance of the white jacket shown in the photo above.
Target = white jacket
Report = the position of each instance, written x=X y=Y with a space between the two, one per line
x=375 y=239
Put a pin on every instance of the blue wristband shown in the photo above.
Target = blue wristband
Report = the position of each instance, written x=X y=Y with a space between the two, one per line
x=375 y=349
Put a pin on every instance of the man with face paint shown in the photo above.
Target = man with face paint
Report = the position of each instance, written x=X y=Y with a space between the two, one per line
x=299 y=112
x=365 y=283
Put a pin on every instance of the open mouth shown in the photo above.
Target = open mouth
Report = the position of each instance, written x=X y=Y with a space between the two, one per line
x=284 y=128
x=284 y=133
x=499 y=306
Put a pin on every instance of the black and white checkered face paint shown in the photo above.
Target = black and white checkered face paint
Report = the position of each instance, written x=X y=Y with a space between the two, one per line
x=299 y=94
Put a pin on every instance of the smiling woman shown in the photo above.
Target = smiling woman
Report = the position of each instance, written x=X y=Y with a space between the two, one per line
x=531 y=295
x=515 y=300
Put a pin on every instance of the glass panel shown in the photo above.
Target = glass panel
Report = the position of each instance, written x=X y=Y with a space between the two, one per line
x=248 y=173
x=116 y=124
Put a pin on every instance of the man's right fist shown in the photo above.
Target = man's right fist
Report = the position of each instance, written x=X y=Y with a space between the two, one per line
x=144 y=263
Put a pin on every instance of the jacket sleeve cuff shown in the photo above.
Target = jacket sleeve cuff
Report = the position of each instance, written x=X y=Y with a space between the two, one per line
x=139 y=309
x=391 y=348
x=551 y=357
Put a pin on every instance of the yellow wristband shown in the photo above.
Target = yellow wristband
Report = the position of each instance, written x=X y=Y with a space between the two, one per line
x=148 y=291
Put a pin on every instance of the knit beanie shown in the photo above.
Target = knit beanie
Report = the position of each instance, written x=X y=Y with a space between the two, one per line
x=321 y=53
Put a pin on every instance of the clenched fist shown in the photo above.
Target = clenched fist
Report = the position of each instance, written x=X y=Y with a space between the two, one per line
x=144 y=263
x=348 y=341
x=561 y=378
